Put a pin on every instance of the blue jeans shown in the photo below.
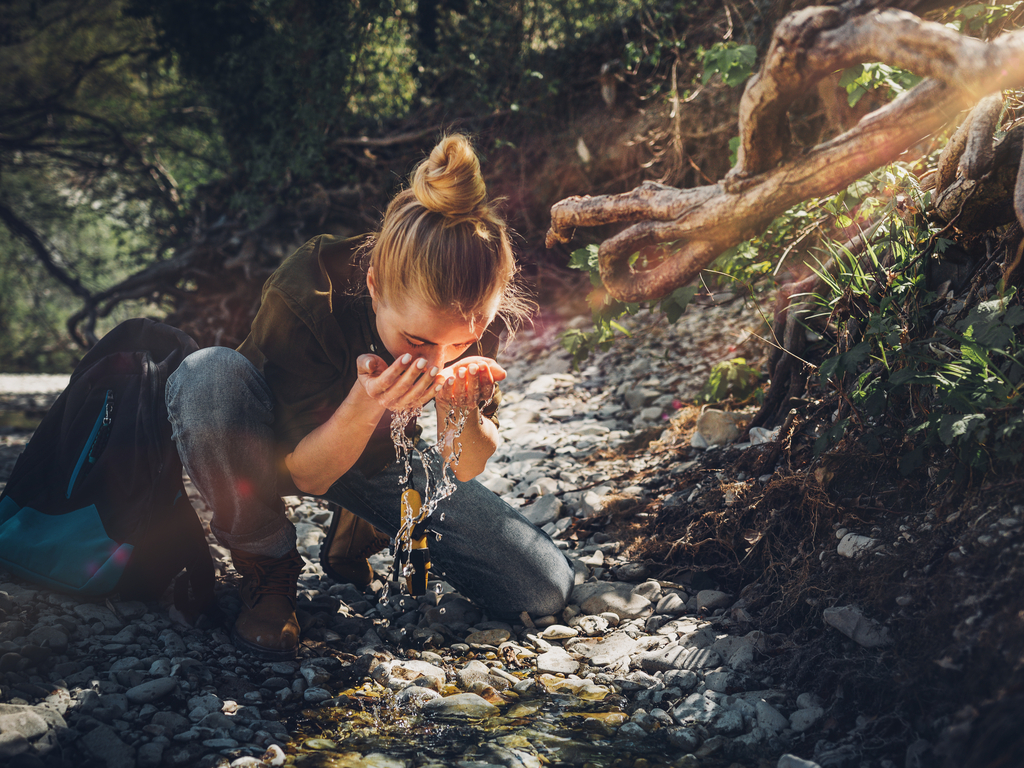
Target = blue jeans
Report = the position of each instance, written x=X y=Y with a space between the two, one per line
x=222 y=415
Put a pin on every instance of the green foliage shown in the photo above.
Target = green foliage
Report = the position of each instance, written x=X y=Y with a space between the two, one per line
x=102 y=145
x=864 y=78
x=606 y=311
x=965 y=383
x=284 y=77
x=730 y=378
x=100 y=241
x=732 y=61
x=983 y=20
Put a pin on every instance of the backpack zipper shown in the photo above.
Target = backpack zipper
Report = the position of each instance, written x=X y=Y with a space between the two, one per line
x=101 y=427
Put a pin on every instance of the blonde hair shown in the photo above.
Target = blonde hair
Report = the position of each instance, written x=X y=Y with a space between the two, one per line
x=443 y=241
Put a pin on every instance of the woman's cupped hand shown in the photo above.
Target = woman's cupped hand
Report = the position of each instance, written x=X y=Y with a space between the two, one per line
x=408 y=383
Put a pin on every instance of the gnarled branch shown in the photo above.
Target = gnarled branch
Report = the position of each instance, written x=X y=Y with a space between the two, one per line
x=770 y=176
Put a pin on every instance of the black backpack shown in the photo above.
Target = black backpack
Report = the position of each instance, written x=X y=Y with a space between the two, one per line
x=95 y=503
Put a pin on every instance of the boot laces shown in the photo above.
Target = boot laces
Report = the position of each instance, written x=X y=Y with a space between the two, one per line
x=274 y=576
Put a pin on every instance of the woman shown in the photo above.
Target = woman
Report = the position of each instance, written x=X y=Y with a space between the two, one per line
x=304 y=405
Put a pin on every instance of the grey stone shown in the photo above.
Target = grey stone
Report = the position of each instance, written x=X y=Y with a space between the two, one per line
x=460 y=705
x=543 y=511
x=851 y=622
x=681 y=737
x=727 y=722
x=671 y=604
x=607 y=650
x=49 y=637
x=769 y=718
x=677 y=657
x=792 y=761
x=649 y=590
x=631 y=571
x=614 y=597
x=415 y=696
x=640 y=397
x=719 y=427
x=556 y=662
x=153 y=690
x=90 y=612
x=854 y=544
x=544 y=486
x=710 y=599
x=804 y=719
x=736 y=652
x=683 y=679
x=105 y=745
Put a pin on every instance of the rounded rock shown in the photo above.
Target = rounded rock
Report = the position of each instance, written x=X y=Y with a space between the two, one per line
x=152 y=690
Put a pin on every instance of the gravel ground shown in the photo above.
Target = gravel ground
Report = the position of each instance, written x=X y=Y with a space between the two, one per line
x=652 y=672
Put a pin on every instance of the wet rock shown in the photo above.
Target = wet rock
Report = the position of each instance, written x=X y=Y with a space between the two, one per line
x=557 y=661
x=415 y=696
x=559 y=632
x=489 y=637
x=460 y=705
x=605 y=651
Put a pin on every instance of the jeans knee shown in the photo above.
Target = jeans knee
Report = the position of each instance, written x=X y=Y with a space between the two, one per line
x=217 y=384
x=550 y=597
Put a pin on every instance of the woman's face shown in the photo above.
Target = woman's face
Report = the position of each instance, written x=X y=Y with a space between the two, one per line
x=408 y=325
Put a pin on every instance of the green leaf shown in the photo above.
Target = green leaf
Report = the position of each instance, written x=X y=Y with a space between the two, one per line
x=953 y=427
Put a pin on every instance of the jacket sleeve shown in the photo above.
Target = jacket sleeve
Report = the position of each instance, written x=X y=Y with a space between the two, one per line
x=307 y=384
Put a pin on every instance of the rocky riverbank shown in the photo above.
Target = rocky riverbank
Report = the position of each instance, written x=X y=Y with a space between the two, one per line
x=638 y=671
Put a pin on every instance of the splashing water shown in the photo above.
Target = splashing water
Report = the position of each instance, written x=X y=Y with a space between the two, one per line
x=440 y=485
x=403 y=443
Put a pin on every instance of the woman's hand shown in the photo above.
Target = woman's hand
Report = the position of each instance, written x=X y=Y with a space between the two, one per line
x=468 y=382
x=405 y=384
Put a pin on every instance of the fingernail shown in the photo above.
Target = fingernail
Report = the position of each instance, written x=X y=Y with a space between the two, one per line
x=433 y=371
x=406 y=359
x=421 y=363
x=439 y=387
x=462 y=373
x=474 y=368
x=450 y=381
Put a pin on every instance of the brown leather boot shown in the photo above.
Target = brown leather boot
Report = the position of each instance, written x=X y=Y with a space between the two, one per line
x=267 y=625
x=349 y=542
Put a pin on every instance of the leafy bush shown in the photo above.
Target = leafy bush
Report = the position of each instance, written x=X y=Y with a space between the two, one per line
x=732 y=61
x=906 y=382
x=730 y=378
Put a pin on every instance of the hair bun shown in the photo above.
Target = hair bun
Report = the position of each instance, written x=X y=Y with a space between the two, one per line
x=449 y=180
